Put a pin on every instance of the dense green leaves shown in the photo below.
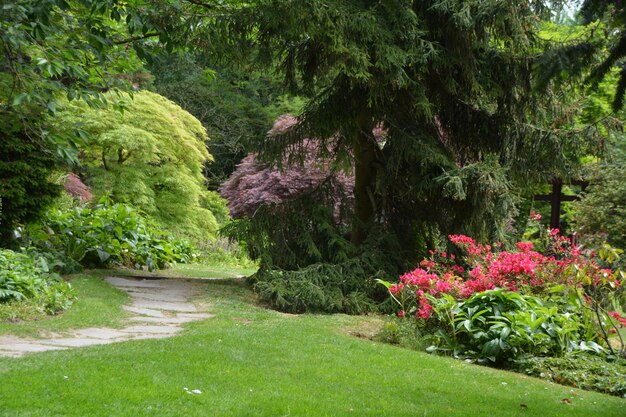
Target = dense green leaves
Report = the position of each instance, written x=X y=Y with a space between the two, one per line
x=23 y=277
x=51 y=49
x=150 y=154
x=107 y=235
x=500 y=325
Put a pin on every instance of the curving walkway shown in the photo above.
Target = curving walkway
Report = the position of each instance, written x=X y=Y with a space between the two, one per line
x=160 y=307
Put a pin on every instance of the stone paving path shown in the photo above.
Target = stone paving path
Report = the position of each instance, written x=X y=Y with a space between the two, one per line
x=160 y=307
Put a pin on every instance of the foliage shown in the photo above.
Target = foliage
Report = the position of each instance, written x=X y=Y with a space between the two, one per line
x=24 y=278
x=255 y=183
x=151 y=155
x=96 y=304
x=25 y=190
x=449 y=81
x=307 y=261
x=105 y=236
x=51 y=49
x=580 y=371
x=236 y=106
x=320 y=287
x=601 y=215
x=316 y=368
x=499 y=325
x=499 y=305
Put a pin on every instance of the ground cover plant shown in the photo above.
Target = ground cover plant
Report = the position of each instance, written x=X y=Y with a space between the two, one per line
x=106 y=235
x=96 y=304
x=28 y=279
x=249 y=361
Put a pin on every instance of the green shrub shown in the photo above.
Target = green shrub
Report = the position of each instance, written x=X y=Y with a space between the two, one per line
x=347 y=287
x=25 y=187
x=106 y=236
x=580 y=371
x=25 y=278
x=499 y=325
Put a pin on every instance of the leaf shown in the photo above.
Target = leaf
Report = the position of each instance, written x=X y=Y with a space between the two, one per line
x=387 y=284
x=17 y=100
x=103 y=255
x=491 y=348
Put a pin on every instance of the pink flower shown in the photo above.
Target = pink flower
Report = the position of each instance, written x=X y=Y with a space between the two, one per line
x=525 y=246
x=535 y=216
x=401 y=313
x=443 y=286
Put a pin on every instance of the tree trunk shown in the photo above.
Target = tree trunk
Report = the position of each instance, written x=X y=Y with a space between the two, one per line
x=365 y=159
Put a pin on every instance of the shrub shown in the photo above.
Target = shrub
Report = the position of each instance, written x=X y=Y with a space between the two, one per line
x=601 y=215
x=499 y=325
x=500 y=304
x=105 y=236
x=25 y=168
x=321 y=287
x=25 y=278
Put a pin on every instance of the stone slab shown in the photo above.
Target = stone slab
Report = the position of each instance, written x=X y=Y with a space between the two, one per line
x=144 y=311
x=152 y=329
x=100 y=333
x=28 y=347
x=159 y=305
x=77 y=342
x=164 y=320
x=163 y=297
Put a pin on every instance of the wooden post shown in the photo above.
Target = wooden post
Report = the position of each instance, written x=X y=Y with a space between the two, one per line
x=556 y=197
x=555 y=202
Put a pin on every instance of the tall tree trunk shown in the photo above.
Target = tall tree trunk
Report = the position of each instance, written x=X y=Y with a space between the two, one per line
x=365 y=158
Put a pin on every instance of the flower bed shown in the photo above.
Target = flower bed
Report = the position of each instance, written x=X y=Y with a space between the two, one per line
x=491 y=304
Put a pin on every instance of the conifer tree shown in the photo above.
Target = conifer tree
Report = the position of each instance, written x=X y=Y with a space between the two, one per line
x=450 y=81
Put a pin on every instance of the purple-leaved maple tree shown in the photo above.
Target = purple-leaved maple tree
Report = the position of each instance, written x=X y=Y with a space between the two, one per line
x=255 y=183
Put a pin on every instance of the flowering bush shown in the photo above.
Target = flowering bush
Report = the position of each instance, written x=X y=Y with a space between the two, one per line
x=562 y=281
x=482 y=269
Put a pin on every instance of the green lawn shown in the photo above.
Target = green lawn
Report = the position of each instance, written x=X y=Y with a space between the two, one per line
x=248 y=361
x=192 y=271
x=98 y=305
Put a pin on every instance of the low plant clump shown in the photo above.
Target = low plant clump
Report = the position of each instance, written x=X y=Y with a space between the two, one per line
x=105 y=236
x=29 y=281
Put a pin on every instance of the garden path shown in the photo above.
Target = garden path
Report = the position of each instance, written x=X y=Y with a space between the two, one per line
x=159 y=306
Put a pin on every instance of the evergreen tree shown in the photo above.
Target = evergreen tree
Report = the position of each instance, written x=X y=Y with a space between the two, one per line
x=450 y=81
x=236 y=107
x=597 y=54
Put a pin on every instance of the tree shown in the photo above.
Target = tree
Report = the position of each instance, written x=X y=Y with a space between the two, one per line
x=450 y=81
x=50 y=49
x=599 y=54
x=236 y=107
x=146 y=151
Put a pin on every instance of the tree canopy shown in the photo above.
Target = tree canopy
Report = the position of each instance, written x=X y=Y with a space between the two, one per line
x=53 y=49
x=451 y=82
x=146 y=151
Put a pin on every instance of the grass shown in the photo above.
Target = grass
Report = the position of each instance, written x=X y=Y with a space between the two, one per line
x=219 y=271
x=98 y=305
x=248 y=361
